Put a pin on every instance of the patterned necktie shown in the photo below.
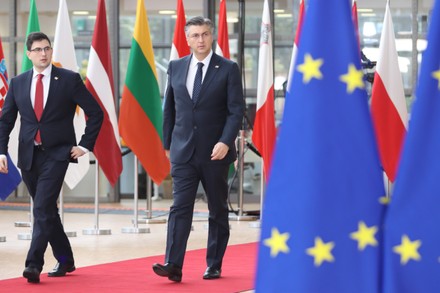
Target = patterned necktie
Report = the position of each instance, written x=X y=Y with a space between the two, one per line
x=38 y=106
x=197 y=82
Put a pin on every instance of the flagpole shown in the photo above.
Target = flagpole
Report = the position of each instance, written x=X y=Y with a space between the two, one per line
x=148 y=219
x=241 y=134
x=96 y=230
x=61 y=211
x=27 y=236
x=240 y=166
x=257 y=224
x=135 y=228
x=26 y=224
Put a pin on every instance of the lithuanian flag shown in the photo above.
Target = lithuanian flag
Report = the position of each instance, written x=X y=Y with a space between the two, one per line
x=140 y=117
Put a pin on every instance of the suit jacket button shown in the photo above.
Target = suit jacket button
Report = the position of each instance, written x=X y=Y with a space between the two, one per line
x=195 y=127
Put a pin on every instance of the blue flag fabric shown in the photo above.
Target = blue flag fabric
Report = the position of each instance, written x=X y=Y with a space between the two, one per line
x=10 y=181
x=324 y=204
x=412 y=239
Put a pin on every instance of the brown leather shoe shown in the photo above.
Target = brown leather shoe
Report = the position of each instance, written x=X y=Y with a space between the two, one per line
x=212 y=273
x=60 y=270
x=32 y=274
x=172 y=271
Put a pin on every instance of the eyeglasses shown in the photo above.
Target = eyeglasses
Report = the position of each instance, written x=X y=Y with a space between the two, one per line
x=203 y=35
x=39 y=50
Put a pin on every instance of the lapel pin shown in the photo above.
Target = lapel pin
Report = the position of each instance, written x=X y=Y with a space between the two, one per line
x=56 y=77
x=217 y=66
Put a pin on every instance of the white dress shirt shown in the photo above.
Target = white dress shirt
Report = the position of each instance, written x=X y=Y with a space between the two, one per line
x=192 y=70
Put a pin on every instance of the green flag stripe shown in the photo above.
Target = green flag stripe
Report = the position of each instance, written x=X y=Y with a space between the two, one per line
x=33 y=26
x=142 y=82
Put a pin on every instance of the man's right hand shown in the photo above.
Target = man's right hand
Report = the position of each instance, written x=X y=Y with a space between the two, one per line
x=3 y=164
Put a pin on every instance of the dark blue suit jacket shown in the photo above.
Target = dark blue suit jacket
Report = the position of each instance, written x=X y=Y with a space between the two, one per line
x=216 y=117
x=66 y=92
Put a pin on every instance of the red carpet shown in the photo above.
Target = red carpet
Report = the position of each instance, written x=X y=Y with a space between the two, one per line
x=137 y=276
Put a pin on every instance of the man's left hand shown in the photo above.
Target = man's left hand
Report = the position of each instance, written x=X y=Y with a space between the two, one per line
x=76 y=152
x=219 y=151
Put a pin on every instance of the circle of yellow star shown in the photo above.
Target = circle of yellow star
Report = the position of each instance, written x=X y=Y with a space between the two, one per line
x=321 y=251
x=364 y=236
x=436 y=75
x=408 y=249
x=385 y=200
x=310 y=68
x=353 y=78
x=277 y=242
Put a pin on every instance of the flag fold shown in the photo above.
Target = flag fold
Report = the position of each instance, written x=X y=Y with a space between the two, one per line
x=388 y=105
x=323 y=208
x=264 y=132
x=222 y=48
x=180 y=47
x=100 y=83
x=10 y=181
x=412 y=239
x=140 y=117
x=64 y=56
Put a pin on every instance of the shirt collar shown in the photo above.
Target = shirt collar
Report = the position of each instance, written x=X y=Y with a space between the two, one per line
x=47 y=71
x=205 y=61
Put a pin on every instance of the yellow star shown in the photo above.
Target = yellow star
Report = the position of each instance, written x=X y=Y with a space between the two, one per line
x=364 y=236
x=385 y=200
x=277 y=242
x=353 y=79
x=310 y=68
x=408 y=249
x=436 y=75
x=321 y=251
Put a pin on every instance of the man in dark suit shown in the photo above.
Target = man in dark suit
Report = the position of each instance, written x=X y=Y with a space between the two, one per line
x=46 y=98
x=203 y=112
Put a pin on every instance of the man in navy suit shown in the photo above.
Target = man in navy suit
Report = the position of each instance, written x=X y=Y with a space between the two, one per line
x=46 y=145
x=203 y=113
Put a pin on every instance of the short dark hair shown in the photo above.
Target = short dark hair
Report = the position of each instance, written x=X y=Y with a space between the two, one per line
x=36 y=36
x=199 y=21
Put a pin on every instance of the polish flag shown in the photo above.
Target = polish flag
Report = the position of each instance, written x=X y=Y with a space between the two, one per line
x=295 y=44
x=179 y=47
x=64 y=56
x=222 y=48
x=388 y=106
x=264 y=133
x=100 y=83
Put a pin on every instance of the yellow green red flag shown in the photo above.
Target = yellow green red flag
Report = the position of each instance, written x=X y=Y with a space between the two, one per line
x=140 y=117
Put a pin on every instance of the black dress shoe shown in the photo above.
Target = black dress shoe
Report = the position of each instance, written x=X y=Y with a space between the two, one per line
x=172 y=271
x=212 y=273
x=32 y=274
x=60 y=270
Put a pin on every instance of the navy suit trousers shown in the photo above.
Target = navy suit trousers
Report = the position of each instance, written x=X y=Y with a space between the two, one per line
x=44 y=181
x=186 y=179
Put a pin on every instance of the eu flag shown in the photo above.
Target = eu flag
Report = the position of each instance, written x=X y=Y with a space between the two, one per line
x=412 y=233
x=321 y=229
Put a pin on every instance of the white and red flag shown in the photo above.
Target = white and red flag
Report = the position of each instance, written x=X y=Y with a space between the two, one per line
x=295 y=43
x=180 y=46
x=100 y=83
x=222 y=47
x=264 y=133
x=64 y=56
x=388 y=106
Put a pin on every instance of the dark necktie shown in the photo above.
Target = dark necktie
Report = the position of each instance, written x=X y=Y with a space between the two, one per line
x=38 y=106
x=197 y=82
